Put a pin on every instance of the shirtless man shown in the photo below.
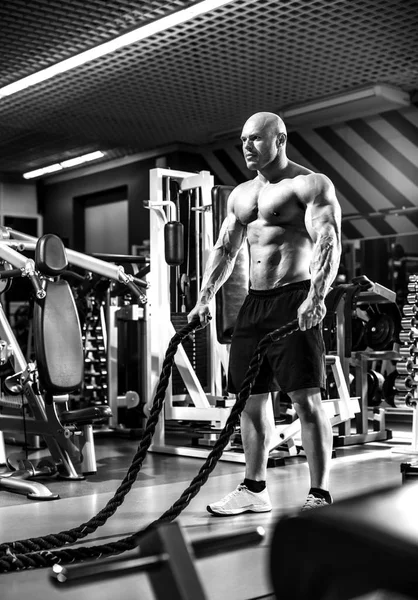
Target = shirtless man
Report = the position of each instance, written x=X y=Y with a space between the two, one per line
x=290 y=218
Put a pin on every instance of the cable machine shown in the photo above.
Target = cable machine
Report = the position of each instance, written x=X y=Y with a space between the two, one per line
x=205 y=402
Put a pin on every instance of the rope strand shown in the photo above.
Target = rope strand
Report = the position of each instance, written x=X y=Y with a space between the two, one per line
x=69 y=537
x=41 y=557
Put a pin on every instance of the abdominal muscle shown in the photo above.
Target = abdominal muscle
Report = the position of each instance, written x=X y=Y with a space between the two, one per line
x=273 y=265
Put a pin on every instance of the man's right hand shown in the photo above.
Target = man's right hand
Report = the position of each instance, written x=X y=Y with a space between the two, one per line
x=202 y=312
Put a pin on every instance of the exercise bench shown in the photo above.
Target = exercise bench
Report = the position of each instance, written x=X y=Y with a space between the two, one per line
x=44 y=385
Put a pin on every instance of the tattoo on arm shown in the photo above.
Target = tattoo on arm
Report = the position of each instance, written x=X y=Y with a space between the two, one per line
x=324 y=264
x=222 y=258
x=325 y=226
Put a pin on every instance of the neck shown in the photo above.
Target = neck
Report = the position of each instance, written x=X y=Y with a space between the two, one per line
x=275 y=171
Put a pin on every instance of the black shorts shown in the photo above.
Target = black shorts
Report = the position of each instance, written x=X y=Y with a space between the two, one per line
x=293 y=363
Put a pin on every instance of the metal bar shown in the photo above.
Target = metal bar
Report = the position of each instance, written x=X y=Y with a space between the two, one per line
x=112 y=360
x=103 y=570
x=89 y=263
x=227 y=456
x=14 y=257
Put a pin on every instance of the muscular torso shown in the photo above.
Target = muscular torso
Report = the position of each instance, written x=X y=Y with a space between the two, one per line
x=274 y=217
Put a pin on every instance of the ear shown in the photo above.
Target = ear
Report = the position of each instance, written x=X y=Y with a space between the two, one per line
x=281 y=138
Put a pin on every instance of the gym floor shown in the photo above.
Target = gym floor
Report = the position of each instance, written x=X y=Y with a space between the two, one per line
x=237 y=575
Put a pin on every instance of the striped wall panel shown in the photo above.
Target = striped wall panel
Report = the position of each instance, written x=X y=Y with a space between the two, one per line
x=372 y=162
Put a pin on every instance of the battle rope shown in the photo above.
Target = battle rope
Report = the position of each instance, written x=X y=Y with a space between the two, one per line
x=70 y=536
x=36 y=552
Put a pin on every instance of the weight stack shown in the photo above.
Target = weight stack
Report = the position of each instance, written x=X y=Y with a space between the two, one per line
x=196 y=348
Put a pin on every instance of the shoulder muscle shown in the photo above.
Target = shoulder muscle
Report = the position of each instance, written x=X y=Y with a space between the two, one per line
x=315 y=187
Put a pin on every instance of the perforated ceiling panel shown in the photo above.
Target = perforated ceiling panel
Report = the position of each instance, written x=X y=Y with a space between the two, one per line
x=192 y=81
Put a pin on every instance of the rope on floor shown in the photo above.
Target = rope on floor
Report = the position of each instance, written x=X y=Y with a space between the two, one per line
x=36 y=552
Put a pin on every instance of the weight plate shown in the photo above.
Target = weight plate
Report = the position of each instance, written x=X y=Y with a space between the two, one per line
x=380 y=330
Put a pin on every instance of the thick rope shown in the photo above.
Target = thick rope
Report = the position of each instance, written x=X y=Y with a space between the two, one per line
x=230 y=425
x=70 y=536
x=44 y=558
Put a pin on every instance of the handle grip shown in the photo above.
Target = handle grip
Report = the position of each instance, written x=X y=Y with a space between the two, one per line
x=10 y=273
x=39 y=291
x=134 y=289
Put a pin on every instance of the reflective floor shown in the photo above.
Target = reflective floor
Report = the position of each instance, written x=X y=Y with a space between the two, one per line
x=237 y=575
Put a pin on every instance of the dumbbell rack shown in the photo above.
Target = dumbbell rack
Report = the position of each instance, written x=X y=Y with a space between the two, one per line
x=95 y=373
x=406 y=382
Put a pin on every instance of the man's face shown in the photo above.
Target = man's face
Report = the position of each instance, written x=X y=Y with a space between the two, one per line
x=259 y=145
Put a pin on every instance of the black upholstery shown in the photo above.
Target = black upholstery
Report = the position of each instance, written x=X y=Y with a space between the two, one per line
x=57 y=339
x=56 y=326
x=50 y=256
x=231 y=295
x=347 y=550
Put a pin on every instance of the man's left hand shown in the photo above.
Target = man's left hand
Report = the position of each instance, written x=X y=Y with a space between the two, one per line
x=310 y=313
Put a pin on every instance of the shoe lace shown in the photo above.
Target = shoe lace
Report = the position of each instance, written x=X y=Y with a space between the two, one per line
x=241 y=487
x=312 y=501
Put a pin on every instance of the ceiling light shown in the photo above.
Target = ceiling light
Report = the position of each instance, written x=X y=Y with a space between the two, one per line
x=106 y=48
x=65 y=164
x=78 y=160
x=355 y=104
x=43 y=171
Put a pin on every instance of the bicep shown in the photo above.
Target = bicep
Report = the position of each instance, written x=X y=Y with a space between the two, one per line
x=323 y=213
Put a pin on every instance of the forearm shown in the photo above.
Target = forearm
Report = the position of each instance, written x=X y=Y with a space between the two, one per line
x=219 y=267
x=325 y=263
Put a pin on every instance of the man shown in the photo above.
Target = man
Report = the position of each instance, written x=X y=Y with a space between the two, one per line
x=290 y=218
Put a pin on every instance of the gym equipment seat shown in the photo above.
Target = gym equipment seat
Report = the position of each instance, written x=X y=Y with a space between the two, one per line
x=59 y=356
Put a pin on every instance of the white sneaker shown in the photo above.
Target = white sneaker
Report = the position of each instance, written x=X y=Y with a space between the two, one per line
x=240 y=501
x=314 y=502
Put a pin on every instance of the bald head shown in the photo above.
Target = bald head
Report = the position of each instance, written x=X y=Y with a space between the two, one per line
x=268 y=122
x=263 y=140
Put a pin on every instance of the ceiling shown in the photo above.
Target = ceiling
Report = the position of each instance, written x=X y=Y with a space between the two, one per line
x=189 y=83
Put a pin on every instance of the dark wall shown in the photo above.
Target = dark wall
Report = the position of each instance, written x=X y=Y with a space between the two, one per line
x=57 y=204
x=375 y=256
x=187 y=161
x=56 y=200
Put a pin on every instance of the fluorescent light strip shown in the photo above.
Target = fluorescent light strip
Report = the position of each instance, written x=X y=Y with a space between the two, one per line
x=43 y=171
x=124 y=40
x=65 y=164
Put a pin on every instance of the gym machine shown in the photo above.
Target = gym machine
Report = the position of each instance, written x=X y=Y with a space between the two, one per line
x=196 y=404
x=37 y=392
x=361 y=327
x=208 y=408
